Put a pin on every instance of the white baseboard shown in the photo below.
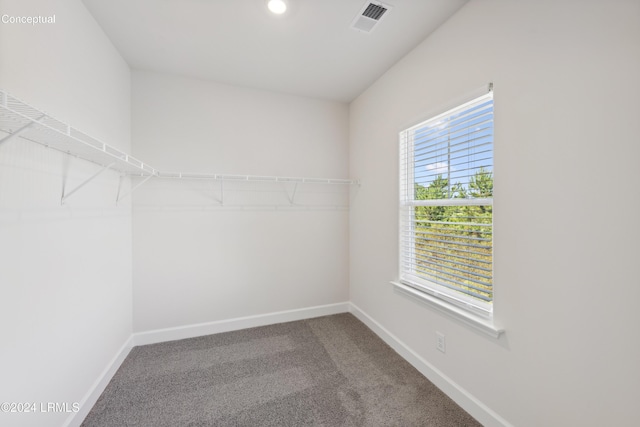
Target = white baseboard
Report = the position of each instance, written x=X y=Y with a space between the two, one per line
x=466 y=400
x=90 y=399
x=197 y=330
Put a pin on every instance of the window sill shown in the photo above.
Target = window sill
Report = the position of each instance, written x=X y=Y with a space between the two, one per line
x=485 y=326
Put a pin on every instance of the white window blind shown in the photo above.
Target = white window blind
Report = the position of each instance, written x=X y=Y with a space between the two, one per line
x=446 y=206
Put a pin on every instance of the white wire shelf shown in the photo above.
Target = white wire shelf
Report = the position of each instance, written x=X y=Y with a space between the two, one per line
x=20 y=119
x=253 y=178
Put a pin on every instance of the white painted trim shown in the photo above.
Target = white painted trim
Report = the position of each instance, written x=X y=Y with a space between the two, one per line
x=200 y=329
x=466 y=400
x=90 y=399
x=450 y=104
x=486 y=326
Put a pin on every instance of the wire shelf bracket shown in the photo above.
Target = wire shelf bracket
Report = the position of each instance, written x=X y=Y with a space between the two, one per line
x=85 y=182
x=134 y=188
x=293 y=194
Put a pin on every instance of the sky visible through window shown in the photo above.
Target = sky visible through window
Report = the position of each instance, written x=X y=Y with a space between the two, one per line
x=455 y=147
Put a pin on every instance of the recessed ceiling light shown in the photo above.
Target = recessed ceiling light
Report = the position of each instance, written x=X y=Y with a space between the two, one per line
x=277 y=6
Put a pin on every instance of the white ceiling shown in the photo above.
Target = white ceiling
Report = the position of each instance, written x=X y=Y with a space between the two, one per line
x=310 y=51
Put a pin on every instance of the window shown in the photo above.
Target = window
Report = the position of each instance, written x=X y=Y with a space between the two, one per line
x=446 y=206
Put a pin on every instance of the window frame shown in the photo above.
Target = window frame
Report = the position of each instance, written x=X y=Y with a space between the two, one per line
x=467 y=307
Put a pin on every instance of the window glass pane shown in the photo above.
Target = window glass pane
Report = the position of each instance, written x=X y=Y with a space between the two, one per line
x=449 y=152
x=453 y=248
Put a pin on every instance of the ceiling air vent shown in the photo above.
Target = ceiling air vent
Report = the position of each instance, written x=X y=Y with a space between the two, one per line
x=370 y=15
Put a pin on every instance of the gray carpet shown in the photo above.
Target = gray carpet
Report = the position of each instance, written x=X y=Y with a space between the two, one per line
x=327 y=371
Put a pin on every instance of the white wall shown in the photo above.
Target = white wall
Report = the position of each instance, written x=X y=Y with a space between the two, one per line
x=65 y=271
x=195 y=262
x=566 y=201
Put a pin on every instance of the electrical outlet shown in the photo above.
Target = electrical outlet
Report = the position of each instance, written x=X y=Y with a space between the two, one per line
x=440 y=342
